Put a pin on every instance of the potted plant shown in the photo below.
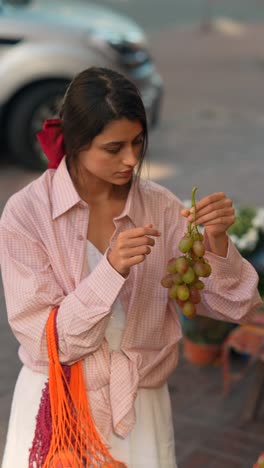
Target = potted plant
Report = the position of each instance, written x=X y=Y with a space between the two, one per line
x=203 y=336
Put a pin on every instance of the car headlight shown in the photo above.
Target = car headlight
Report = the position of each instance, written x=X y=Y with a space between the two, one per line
x=131 y=55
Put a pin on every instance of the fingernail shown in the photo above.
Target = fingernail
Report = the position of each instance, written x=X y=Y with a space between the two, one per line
x=191 y=210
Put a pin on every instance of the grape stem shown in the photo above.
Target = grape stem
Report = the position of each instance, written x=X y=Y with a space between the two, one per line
x=192 y=227
x=194 y=209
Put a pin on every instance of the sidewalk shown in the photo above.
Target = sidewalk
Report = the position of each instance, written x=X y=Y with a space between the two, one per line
x=208 y=428
x=213 y=112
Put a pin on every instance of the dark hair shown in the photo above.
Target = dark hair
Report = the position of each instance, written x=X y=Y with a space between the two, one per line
x=96 y=97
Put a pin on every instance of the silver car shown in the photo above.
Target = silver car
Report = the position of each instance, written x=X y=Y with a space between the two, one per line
x=43 y=45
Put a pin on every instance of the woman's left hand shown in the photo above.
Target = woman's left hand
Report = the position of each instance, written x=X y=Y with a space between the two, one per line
x=216 y=213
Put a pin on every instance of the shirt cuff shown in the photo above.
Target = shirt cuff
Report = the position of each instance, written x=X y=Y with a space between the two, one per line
x=230 y=266
x=104 y=281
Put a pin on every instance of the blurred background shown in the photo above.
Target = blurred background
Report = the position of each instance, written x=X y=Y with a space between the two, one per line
x=199 y=65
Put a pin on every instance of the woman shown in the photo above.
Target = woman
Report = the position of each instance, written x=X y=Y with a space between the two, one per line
x=93 y=238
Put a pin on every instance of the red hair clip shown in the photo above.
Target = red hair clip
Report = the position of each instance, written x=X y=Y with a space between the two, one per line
x=52 y=142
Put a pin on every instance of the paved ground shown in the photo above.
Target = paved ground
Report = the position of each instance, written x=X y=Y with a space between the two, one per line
x=212 y=130
x=209 y=432
x=212 y=136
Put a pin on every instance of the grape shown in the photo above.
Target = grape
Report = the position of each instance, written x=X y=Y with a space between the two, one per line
x=208 y=270
x=198 y=248
x=183 y=292
x=184 y=272
x=198 y=236
x=185 y=244
x=181 y=265
x=180 y=303
x=189 y=309
x=171 y=268
x=199 y=268
x=189 y=276
x=173 y=291
x=195 y=296
x=198 y=284
x=167 y=281
x=177 y=278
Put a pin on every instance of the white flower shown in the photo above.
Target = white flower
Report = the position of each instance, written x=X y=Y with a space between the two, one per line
x=249 y=240
x=258 y=220
x=234 y=239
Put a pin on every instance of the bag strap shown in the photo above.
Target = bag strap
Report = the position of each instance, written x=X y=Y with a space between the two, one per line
x=75 y=442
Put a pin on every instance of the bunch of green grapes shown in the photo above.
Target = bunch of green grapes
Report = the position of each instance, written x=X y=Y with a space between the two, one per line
x=184 y=273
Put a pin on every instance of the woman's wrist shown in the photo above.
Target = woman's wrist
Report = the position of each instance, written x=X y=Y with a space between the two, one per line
x=123 y=272
x=218 y=245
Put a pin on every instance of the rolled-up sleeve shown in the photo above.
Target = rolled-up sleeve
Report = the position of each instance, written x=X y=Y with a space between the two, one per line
x=31 y=290
x=231 y=291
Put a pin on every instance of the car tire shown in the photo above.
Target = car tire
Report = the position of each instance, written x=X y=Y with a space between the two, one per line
x=25 y=119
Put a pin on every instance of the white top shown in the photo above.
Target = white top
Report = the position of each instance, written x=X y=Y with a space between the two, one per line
x=151 y=441
x=117 y=319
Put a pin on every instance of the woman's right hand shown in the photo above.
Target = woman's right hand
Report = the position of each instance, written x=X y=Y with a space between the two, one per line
x=131 y=248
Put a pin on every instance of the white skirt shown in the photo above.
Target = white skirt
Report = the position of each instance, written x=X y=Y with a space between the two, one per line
x=149 y=444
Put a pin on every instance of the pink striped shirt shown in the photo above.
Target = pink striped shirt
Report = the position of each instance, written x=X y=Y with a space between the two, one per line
x=43 y=233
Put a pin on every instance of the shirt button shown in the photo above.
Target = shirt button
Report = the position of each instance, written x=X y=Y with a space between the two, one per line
x=80 y=237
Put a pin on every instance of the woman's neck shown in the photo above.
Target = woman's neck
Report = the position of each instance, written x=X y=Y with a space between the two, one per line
x=95 y=191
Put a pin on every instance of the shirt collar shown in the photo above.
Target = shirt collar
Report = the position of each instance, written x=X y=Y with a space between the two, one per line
x=65 y=196
x=134 y=207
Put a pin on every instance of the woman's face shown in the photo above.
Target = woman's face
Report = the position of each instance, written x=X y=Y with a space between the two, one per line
x=114 y=153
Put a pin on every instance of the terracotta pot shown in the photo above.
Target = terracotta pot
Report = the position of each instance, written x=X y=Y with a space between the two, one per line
x=199 y=353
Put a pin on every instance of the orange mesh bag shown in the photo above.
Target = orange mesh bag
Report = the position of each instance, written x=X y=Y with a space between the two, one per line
x=74 y=441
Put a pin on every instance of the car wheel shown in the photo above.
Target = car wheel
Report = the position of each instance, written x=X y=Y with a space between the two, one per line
x=26 y=118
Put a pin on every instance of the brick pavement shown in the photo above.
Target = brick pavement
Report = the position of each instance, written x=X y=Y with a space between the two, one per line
x=209 y=432
x=213 y=118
